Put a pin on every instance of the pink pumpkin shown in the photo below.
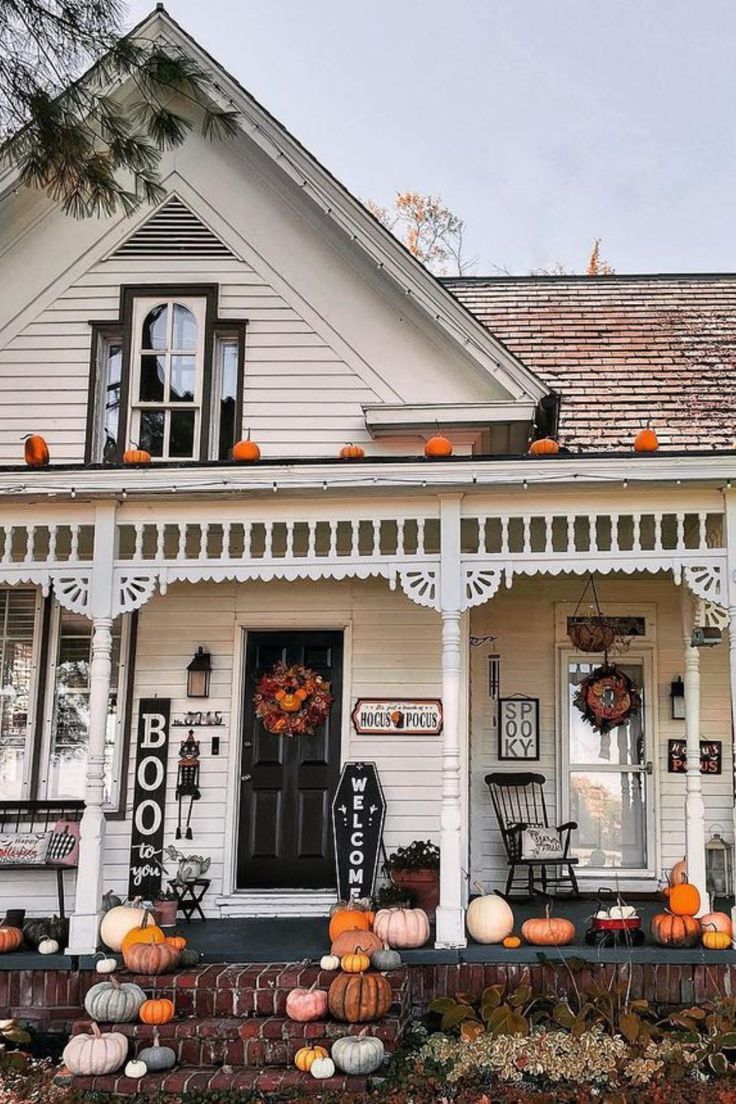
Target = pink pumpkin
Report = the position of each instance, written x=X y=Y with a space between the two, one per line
x=304 y=1005
x=402 y=927
x=717 y=921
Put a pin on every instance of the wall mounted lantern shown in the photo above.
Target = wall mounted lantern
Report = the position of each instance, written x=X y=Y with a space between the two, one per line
x=677 y=698
x=198 y=674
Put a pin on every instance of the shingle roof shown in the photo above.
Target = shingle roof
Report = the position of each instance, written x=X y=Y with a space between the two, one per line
x=621 y=350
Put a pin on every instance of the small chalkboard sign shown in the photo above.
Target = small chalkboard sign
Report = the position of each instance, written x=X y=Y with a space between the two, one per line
x=149 y=798
x=358 y=813
x=711 y=756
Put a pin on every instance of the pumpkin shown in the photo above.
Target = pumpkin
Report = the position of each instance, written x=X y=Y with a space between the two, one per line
x=136 y=456
x=157 y=1010
x=678 y=873
x=385 y=959
x=402 y=927
x=717 y=921
x=548 y=931
x=178 y=942
x=322 y=1068
x=545 y=446
x=349 y=941
x=489 y=918
x=151 y=958
x=437 y=447
x=359 y=1055
x=304 y=1005
x=114 y=1002
x=146 y=932
x=357 y=962
x=352 y=452
x=715 y=940
x=48 y=947
x=135 y=1069
x=347 y=919
x=45 y=927
x=118 y=922
x=246 y=451
x=109 y=901
x=329 y=962
x=189 y=957
x=95 y=1054
x=106 y=965
x=362 y=903
x=307 y=1055
x=157 y=1057
x=646 y=440
x=683 y=899
x=359 y=998
x=675 y=931
x=36 y=451
x=10 y=939
x=511 y=942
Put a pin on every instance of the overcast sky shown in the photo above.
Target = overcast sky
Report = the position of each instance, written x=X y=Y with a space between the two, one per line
x=543 y=123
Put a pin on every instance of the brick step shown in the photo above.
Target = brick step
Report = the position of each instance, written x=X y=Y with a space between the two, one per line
x=268 y=1080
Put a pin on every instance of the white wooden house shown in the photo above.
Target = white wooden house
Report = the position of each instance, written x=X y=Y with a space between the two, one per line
x=262 y=297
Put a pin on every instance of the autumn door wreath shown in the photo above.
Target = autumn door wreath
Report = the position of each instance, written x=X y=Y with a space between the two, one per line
x=607 y=697
x=292 y=700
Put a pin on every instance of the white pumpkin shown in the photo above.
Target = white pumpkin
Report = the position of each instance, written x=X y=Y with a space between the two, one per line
x=135 y=1069
x=329 y=962
x=48 y=946
x=402 y=927
x=621 y=912
x=489 y=918
x=95 y=1054
x=322 y=1068
x=106 y=965
x=118 y=922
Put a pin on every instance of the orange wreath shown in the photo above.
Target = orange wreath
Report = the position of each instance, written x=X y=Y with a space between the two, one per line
x=292 y=701
x=607 y=698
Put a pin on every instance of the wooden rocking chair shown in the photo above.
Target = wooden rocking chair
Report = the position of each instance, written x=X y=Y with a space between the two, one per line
x=518 y=801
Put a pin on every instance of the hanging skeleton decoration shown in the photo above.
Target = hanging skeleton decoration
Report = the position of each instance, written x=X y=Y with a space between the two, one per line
x=187 y=781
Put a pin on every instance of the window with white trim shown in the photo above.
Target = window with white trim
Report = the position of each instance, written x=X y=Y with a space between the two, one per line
x=20 y=630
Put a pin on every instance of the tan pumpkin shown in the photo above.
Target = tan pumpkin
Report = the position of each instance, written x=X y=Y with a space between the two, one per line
x=545 y=446
x=348 y=942
x=678 y=873
x=157 y=1010
x=36 y=451
x=646 y=440
x=489 y=918
x=95 y=1054
x=716 y=940
x=511 y=942
x=675 y=931
x=306 y=1056
x=151 y=958
x=438 y=447
x=347 y=919
x=352 y=452
x=683 y=899
x=359 y=998
x=146 y=932
x=356 y=963
x=304 y=1005
x=717 y=921
x=548 y=931
x=10 y=939
x=402 y=927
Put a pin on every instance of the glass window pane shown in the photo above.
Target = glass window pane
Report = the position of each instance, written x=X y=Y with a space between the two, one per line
x=153 y=375
x=181 y=388
x=622 y=746
x=181 y=441
x=109 y=368
x=152 y=431
x=610 y=810
x=228 y=375
x=156 y=328
x=17 y=623
x=184 y=335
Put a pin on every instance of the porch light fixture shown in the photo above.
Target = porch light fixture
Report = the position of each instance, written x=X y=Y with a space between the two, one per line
x=198 y=674
x=718 y=867
x=677 y=698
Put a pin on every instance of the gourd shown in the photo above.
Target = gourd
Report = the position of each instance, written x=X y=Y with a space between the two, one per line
x=114 y=1002
x=189 y=957
x=146 y=932
x=48 y=947
x=45 y=927
x=157 y=1057
x=511 y=942
x=489 y=918
x=178 y=942
x=349 y=941
x=135 y=1069
x=95 y=1054
x=322 y=1068
x=717 y=921
x=329 y=962
x=385 y=959
x=136 y=456
x=246 y=450
x=306 y=1056
x=106 y=965
x=352 y=452
x=359 y=998
x=157 y=1010
x=347 y=919
x=437 y=447
x=715 y=940
x=675 y=931
x=356 y=963
x=678 y=873
x=363 y=904
x=646 y=440
x=118 y=922
x=359 y=1055
x=545 y=446
x=683 y=899
x=110 y=900
x=36 y=451
x=151 y=958
x=10 y=939
x=402 y=927
x=548 y=931
x=304 y=1005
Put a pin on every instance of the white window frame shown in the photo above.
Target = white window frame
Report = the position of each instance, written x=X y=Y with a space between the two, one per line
x=27 y=780
x=106 y=340
x=141 y=307
x=223 y=337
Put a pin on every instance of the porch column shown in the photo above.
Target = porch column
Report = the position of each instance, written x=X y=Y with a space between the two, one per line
x=694 y=804
x=729 y=501
x=450 y=913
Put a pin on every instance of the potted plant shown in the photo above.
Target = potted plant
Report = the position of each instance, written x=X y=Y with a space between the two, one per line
x=165 y=907
x=416 y=868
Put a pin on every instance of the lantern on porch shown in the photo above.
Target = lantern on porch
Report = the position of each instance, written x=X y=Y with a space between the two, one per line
x=718 y=866
x=198 y=674
x=677 y=698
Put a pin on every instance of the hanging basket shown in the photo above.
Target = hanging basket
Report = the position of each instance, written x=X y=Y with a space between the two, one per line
x=592 y=634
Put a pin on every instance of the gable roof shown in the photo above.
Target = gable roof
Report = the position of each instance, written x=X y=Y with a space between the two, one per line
x=621 y=350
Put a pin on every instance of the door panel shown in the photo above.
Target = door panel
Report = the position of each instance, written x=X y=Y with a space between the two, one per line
x=287 y=783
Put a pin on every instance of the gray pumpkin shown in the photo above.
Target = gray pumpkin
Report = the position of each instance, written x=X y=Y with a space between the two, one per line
x=189 y=957
x=358 y=1054
x=113 y=1001
x=385 y=959
x=157 y=1057
x=110 y=900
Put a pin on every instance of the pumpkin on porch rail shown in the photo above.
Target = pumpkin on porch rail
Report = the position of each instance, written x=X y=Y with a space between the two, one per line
x=36 y=451
x=548 y=931
x=157 y=1010
x=359 y=998
x=10 y=939
x=489 y=918
x=246 y=451
x=646 y=440
x=151 y=958
x=402 y=927
x=438 y=447
x=95 y=1054
x=348 y=919
x=352 y=452
x=544 y=446
x=136 y=455
x=675 y=931
x=349 y=941
x=305 y=1005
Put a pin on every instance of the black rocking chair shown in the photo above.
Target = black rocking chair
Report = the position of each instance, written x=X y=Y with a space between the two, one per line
x=518 y=801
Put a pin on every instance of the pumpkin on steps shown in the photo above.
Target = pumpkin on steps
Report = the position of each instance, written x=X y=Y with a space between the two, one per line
x=717 y=921
x=95 y=1054
x=359 y=998
x=135 y=1069
x=358 y=1055
x=178 y=942
x=683 y=899
x=157 y=1010
x=157 y=1058
x=385 y=959
x=349 y=941
x=322 y=1068
x=151 y=958
x=329 y=962
x=114 y=1001
x=304 y=1005
x=189 y=957
x=306 y=1056
x=146 y=932
x=489 y=918
x=511 y=942
x=356 y=963
x=10 y=939
x=716 y=940
x=105 y=965
x=402 y=927
x=117 y=922
x=348 y=919
x=548 y=931
x=675 y=931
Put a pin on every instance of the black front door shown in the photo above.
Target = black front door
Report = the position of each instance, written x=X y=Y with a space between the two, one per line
x=287 y=783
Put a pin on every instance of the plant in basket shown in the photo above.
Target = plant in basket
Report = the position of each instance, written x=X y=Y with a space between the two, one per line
x=416 y=869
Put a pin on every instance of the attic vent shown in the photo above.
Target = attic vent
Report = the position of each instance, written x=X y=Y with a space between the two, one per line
x=173 y=231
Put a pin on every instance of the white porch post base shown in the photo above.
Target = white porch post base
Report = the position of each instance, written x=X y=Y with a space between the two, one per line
x=84 y=926
x=694 y=804
x=451 y=914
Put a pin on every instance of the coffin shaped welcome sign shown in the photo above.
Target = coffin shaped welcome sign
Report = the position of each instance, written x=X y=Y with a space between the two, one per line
x=358 y=813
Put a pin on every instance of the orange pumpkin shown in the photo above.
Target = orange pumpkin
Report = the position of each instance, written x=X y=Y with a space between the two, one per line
x=246 y=451
x=178 y=942
x=548 y=931
x=347 y=919
x=158 y=1010
x=683 y=899
x=545 y=446
x=36 y=451
x=306 y=1056
x=348 y=942
x=10 y=939
x=356 y=963
x=438 y=447
x=146 y=932
x=675 y=931
x=150 y=958
x=717 y=921
x=352 y=452
x=136 y=456
x=511 y=942
x=646 y=440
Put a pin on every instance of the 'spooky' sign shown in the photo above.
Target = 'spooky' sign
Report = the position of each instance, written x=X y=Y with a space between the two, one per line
x=358 y=812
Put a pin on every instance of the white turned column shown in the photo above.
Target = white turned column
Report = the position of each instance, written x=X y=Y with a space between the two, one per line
x=451 y=913
x=732 y=674
x=694 y=803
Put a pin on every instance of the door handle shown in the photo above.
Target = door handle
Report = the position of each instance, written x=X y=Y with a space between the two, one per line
x=649 y=768
x=245 y=777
